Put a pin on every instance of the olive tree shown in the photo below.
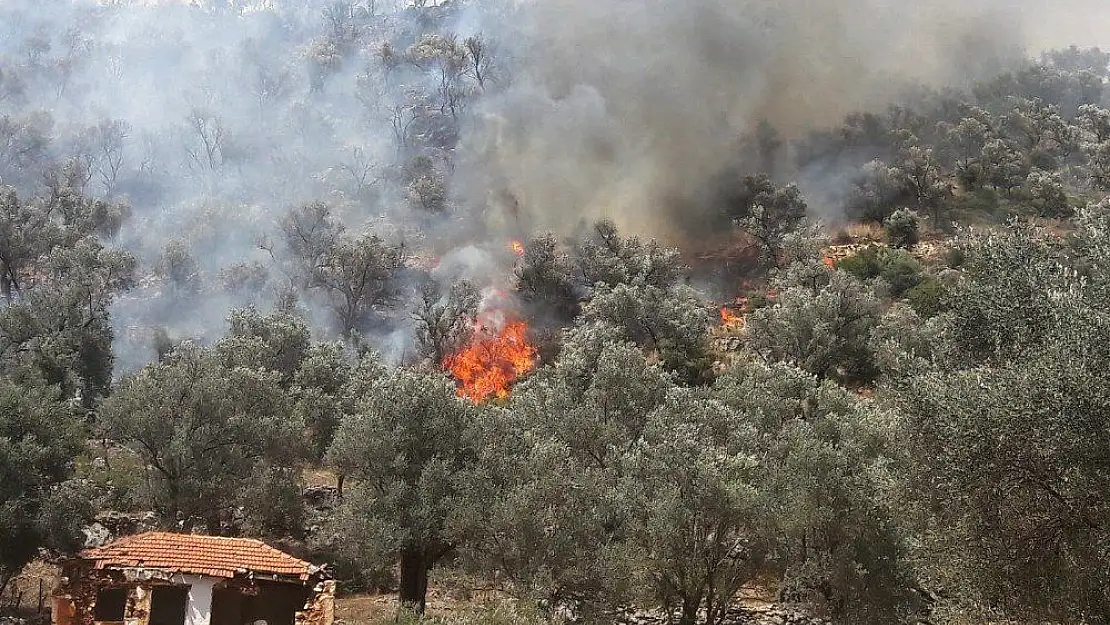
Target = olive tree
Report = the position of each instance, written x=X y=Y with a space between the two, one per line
x=202 y=428
x=1005 y=438
x=546 y=506
x=405 y=447
x=823 y=328
x=700 y=528
x=821 y=465
x=766 y=212
x=39 y=438
x=444 y=322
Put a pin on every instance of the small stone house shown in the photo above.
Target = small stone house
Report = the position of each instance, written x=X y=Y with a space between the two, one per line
x=161 y=578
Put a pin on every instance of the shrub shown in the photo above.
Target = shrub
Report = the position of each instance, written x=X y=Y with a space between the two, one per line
x=926 y=297
x=900 y=270
x=954 y=258
x=863 y=264
x=903 y=228
x=1047 y=196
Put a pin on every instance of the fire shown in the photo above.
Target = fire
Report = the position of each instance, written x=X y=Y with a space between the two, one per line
x=489 y=365
x=730 y=318
x=518 y=248
x=830 y=262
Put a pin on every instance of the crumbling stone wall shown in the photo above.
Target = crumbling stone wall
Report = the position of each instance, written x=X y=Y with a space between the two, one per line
x=320 y=608
x=76 y=596
x=138 y=605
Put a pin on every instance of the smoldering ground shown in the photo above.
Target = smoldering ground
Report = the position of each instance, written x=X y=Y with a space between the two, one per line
x=237 y=111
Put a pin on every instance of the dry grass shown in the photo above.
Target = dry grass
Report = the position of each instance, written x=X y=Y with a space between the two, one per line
x=320 y=478
x=442 y=609
x=451 y=595
x=32 y=588
x=865 y=232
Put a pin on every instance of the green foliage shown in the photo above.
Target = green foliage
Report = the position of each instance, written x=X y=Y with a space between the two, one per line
x=903 y=228
x=820 y=460
x=1002 y=305
x=545 y=280
x=277 y=342
x=202 y=428
x=1036 y=547
x=323 y=391
x=604 y=257
x=766 y=212
x=927 y=298
x=406 y=446
x=546 y=503
x=674 y=323
x=897 y=268
x=59 y=332
x=39 y=438
x=877 y=191
x=695 y=467
x=444 y=321
x=1047 y=196
x=977 y=206
x=352 y=275
x=1021 y=405
x=823 y=330
x=271 y=501
x=356 y=276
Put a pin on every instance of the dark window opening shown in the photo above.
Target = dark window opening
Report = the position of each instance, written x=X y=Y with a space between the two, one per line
x=110 y=604
x=167 y=605
x=276 y=604
x=227 y=607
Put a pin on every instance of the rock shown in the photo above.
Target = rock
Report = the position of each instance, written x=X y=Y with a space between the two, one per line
x=96 y=535
x=118 y=524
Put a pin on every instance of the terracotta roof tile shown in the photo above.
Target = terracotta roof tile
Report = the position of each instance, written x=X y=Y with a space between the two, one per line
x=214 y=556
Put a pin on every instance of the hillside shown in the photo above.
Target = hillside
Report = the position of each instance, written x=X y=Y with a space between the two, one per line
x=553 y=312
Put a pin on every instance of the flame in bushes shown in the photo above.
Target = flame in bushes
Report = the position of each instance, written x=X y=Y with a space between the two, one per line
x=729 y=317
x=518 y=248
x=830 y=262
x=491 y=362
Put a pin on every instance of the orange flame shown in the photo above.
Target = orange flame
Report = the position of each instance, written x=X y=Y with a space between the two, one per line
x=490 y=364
x=728 y=317
x=830 y=262
x=518 y=248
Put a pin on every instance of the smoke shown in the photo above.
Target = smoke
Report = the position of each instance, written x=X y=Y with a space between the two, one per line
x=237 y=111
x=626 y=108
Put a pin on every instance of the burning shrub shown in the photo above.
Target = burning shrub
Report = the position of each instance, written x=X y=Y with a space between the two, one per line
x=491 y=362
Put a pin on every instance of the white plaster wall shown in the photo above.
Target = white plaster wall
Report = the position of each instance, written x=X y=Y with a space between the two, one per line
x=198 y=608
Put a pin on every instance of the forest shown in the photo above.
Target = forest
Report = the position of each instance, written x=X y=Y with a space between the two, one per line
x=611 y=308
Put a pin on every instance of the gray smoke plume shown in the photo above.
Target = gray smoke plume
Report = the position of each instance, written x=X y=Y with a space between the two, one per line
x=234 y=111
x=621 y=108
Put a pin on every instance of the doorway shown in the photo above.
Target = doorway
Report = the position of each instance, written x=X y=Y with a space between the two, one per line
x=167 y=605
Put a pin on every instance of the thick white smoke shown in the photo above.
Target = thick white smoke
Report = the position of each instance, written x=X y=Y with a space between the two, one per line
x=623 y=109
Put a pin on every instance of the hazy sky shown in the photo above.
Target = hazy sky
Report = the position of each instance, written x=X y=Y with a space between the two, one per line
x=1054 y=23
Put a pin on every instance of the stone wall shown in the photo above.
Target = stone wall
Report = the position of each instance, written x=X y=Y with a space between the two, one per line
x=320 y=609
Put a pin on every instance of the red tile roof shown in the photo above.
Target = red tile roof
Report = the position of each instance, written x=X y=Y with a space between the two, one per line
x=214 y=556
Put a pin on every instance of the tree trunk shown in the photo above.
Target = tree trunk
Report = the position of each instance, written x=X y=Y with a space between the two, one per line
x=414 y=579
x=690 y=607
